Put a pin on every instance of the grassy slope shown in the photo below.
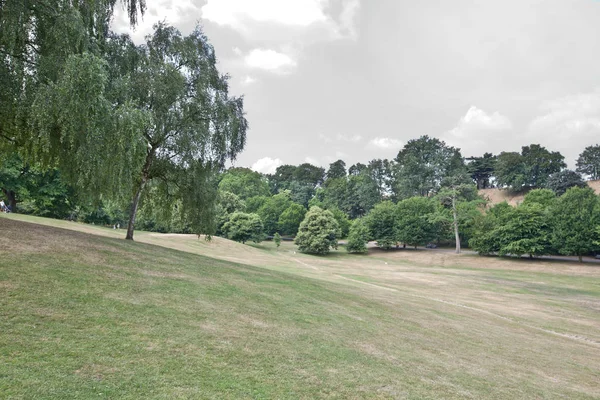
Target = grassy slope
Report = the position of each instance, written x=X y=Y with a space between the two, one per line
x=84 y=316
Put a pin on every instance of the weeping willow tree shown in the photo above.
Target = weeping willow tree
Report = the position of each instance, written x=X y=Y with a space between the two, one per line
x=112 y=116
x=190 y=125
x=54 y=111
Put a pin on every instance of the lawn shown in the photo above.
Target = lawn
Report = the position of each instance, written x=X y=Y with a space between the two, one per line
x=86 y=314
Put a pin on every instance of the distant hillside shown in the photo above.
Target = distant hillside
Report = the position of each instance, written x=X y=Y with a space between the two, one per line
x=496 y=196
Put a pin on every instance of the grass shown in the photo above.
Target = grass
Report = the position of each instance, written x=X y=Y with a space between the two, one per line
x=93 y=316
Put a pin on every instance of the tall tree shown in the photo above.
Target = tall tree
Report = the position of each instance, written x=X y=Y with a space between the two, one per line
x=481 y=169
x=575 y=216
x=560 y=181
x=195 y=126
x=588 y=162
x=244 y=182
x=337 y=169
x=382 y=172
x=510 y=171
x=540 y=164
x=422 y=165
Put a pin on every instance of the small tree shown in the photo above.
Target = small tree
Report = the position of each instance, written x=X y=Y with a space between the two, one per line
x=318 y=232
x=358 y=237
x=559 y=182
x=242 y=227
x=575 y=216
x=414 y=221
x=588 y=162
x=290 y=219
x=383 y=224
x=277 y=239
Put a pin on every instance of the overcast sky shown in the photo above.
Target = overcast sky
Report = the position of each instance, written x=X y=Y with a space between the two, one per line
x=357 y=79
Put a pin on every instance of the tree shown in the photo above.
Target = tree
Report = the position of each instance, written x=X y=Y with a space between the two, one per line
x=575 y=216
x=481 y=169
x=358 y=237
x=560 y=181
x=510 y=171
x=530 y=168
x=290 y=219
x=543 y=197
x=485 y=240
x=414 y=221
x=356 y=169
x=540 y=164
x=383 y=224
x=362 y=193
x=227 y=204
x=244 y=182
x=271 y=211
x=336 y=170
x=525 y=231
x=193 y=125
x=242 y=227
x=318 y=232
x=277 y=239
x=422 y=165
x=382 y=173
x=343 y=222
x=459 y=201
x=588 y=162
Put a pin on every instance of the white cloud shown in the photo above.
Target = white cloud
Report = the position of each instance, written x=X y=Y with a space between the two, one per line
x=269 y=60
x=289 y=19
x=479 y=132
x=248 y=80
x=347 y=138
x=172 y=12
x=568 y=124
x=234 y=13
x=237 y=51
x=312 y=161
x=385 y=143
x=266 y=165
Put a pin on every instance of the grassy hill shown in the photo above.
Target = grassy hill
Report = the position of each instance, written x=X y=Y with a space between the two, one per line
x=87 y=315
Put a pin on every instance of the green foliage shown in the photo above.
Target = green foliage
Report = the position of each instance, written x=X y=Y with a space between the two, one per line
x=544 y=197
x=510 y=171
x=575 y=216
x=560 y=181
x=414 y=221
x=242 y=227
x=481 y=169
x=290 y=219
x=526 y=231
x=358 y=237
x=485 y=241
x=383 y=224
x=588 y=162
x=227 y=204
x=336 y=170
x=271 y=211
x=277 y=239
x=531 y=168
x=318 y=232
x=422 y=165
x=244 y=182
x=342 y=220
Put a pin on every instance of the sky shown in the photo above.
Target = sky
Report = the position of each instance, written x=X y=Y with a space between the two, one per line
x=355 y=80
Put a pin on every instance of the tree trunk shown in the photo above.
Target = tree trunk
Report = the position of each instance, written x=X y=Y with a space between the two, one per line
x=138 y=194
x=455 y=223
x=580 y=258
x=11 y=199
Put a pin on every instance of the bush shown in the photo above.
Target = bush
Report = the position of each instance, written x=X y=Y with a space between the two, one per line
x=358 y=237
x=318 y=232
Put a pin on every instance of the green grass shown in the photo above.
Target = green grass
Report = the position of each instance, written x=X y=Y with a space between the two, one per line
x=85 y=316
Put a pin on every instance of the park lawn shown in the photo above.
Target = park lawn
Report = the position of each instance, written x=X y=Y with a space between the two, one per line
x=87 y=316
